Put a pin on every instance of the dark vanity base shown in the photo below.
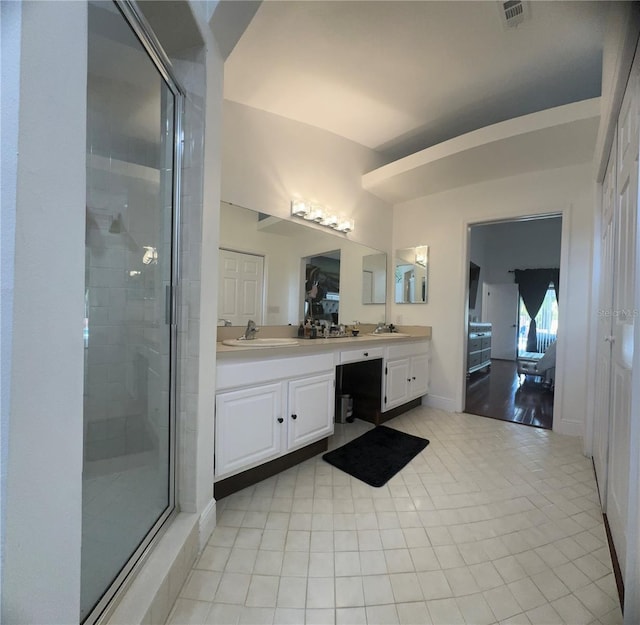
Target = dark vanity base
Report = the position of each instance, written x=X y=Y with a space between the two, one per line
x=252 y=476
x=378 y=417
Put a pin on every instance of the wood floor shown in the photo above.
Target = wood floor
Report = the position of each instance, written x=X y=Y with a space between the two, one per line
x=497 y=394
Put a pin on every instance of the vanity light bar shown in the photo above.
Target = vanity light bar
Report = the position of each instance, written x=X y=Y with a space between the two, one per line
x=319 y=215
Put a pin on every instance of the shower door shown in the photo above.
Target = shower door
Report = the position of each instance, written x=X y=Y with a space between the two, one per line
x=133 y=162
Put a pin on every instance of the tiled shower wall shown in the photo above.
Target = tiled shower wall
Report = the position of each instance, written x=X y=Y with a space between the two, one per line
x=190 y=69
x=124 y=369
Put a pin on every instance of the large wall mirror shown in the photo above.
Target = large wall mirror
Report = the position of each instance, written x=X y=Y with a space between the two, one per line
x=411 y=285
x=275 y=270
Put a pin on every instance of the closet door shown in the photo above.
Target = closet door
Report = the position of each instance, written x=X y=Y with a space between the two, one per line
x=625 y=215
x=605 y=317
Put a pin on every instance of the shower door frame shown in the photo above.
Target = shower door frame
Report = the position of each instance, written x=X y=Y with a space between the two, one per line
x=143 y=32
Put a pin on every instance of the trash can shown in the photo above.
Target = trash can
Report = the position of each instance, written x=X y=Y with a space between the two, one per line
x=345 y=409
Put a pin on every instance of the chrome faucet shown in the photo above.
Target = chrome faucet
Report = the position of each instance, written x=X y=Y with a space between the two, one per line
x=380 y=328
x=250 y=332
x=227 y=322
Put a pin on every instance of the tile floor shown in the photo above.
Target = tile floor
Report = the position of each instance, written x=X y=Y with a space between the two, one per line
x=492 y=523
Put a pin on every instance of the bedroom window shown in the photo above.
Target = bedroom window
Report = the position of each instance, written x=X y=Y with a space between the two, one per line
x=546 y=322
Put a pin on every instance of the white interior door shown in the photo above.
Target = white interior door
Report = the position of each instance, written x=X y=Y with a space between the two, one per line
x=240 y=292
x=603 y=348
x=623 y=320
x=500 y=308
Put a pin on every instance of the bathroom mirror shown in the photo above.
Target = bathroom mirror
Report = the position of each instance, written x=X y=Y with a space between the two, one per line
x=411 y=275
x=374 y=278
x=270 y=253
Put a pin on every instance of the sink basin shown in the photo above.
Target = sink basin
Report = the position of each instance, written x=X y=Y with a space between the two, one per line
x=260 y=342
x=389 y=335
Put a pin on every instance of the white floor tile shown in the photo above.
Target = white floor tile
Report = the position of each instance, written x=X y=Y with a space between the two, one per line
x=493 y=523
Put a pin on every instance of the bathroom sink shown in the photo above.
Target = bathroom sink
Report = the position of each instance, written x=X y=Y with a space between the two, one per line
x=389 y=335
x=260 y=342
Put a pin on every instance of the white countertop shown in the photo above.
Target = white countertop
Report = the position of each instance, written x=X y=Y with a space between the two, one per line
x=312 y=346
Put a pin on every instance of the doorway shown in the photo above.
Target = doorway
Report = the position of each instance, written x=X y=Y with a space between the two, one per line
x=507 y=388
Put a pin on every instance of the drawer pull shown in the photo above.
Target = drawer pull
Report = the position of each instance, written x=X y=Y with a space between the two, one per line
x=280 y=420
x=414 y=377
x=366 y=354
x=294 y=416
x=408 y=379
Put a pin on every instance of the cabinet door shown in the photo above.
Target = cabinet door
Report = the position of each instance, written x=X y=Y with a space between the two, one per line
x=397 y=382
x=419 y=376
x=310 y=414
x=247 y=428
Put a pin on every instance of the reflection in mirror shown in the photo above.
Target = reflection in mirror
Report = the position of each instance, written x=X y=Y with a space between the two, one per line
x=322 y=287
x=284 y=247
x=374 y=279
x=411 y=284
x=240 y=285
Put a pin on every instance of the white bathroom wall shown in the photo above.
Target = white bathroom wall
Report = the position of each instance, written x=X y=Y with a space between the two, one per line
x=441 y=221
x=41 y=548
x=268 y=160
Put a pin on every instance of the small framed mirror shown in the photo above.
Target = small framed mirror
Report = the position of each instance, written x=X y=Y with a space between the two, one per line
x=411 y=275
x=374 y=278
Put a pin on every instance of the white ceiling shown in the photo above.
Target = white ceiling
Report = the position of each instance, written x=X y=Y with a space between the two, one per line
x=400 y=76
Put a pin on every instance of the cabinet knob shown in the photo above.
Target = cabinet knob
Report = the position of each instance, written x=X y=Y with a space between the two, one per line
x=294 y=416
x=280 y=420
x=366 y=353
x=414 y=377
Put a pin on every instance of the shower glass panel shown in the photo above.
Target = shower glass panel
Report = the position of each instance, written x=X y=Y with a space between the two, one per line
x=132 y=115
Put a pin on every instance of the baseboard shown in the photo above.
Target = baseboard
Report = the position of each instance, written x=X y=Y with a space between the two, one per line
x=569 y=428
x=440 y=403
x=615 y=563
x=237 y=482
x=207 y=523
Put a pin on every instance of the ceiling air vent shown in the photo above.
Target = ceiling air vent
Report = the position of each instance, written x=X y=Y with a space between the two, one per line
x=513 y=12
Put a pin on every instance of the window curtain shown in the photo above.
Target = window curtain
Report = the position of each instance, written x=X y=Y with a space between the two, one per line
x=556 y=283
x=533 y=285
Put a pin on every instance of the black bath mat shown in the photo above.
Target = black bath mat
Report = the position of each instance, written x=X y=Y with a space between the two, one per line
x=377 y=455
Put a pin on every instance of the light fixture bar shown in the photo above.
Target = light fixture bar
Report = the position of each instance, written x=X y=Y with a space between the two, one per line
x=318 y=214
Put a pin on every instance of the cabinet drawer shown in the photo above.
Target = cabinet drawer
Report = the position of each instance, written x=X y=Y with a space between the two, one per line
x=474 y=359
x=486 y=343
x=474 y=345
x=485 y=355
x=366 y=353
x=252 y=372
x=402 y=350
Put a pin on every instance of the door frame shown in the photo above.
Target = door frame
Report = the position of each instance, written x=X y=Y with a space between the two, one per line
x=564 y=211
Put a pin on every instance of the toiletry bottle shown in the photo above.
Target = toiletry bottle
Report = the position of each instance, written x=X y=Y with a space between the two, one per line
x=300 y=330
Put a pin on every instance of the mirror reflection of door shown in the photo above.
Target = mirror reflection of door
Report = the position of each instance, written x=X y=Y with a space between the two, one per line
x=240 y=293
x=367 y=287
x=322 y=286
x=374 y=279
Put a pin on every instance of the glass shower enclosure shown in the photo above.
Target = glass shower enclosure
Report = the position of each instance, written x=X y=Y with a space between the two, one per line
x=133 y=163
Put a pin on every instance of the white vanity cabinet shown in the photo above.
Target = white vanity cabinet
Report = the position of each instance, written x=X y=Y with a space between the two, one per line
x=249 y=425
x=310 y=404
x=406 y=374
x=268 y=408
